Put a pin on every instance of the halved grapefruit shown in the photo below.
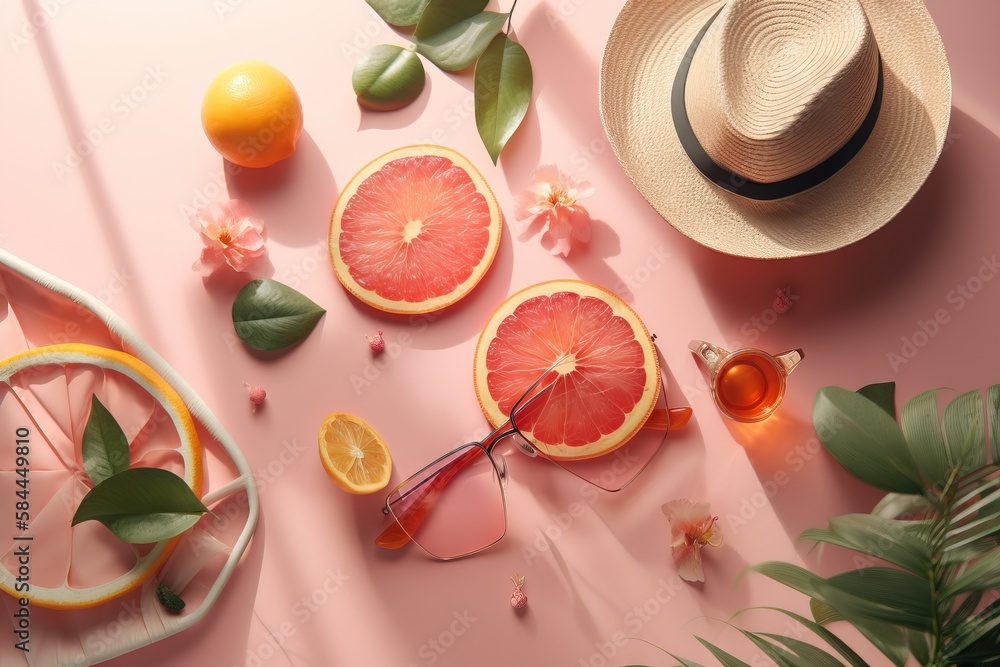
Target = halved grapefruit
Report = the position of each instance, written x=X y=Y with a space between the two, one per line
x=415 y=230
x=606 y=387
x=45 y=397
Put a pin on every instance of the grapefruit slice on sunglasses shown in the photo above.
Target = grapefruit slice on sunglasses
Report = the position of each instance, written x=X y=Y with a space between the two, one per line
x=606 y=377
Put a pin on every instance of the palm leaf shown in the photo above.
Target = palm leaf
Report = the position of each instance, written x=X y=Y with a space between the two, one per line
x=810 y=655
x=922 y=430
x=833 y=640
x=963 y=426
x=882 y=394
x=901 y=543
x=983 y=575
x=993 y=417
x=865 y=440
x=725 y=659
x=873 y=593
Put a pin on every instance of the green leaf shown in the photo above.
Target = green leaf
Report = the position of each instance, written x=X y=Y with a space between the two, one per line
x=875 y=593
x=887 y=638
x=387 y=77
x=833 y=640
x=824 y=613
x=902 y=543
x=865 y=440
x=963 y=426
x=919 y=647
x=440 y=15
x=401 y=13
x=882 y=394
x=684 y=663
x=268 y=315
x=781 y=656
x=993 y=414
x=922 y=429
x=725 y=659
x=142 y=505
x=459 y=46
x=503 y=92
x=104 y=447
x=983 y=575
x=810 y=655
x=978 y=638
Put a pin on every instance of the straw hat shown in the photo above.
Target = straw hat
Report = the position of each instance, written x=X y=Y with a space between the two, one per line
x=767 y=128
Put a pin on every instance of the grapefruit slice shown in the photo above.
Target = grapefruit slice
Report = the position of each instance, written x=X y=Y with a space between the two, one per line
x=606 y=384
x=45 y=396
x=415 y=230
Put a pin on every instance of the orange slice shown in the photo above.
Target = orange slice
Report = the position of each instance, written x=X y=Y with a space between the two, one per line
x=354 y=455
x=415 y=230
x=45 y=400
x=605 y=387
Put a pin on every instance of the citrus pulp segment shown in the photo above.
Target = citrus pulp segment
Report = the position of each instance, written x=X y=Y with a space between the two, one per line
x=353 y=454
x=605 y=387
x=46 y=392
x=415 y=230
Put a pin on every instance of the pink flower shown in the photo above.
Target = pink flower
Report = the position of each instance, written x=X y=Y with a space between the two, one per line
x=232 y=235
x=692 y=526
x=551 y=203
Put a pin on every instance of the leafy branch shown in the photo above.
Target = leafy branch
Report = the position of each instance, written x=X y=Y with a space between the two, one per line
x=139 y=505
x=452 y=34
x=936 y=533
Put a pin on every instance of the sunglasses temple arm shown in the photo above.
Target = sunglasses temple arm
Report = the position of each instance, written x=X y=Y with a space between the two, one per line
x=670 y=419
x=397 y=534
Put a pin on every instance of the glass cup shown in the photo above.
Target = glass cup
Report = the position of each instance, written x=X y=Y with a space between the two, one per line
x=747 y=384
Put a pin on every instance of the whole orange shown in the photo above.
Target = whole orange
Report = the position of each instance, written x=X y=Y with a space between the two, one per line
x=252 y=114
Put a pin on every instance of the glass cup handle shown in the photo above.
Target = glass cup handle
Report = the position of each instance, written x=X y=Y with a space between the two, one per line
x=789 y=360
x=708 y=353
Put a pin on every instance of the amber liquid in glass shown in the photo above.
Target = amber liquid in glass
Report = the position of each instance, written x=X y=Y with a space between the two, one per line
x=748 y=386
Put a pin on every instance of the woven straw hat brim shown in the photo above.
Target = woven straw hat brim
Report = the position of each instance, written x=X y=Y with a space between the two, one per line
x=641 y=59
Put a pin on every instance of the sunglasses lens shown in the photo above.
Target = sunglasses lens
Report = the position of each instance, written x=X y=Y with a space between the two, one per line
x=453 y=507
x=614 y=470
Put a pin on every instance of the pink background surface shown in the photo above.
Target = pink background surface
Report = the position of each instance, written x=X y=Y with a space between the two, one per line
x=115 y=225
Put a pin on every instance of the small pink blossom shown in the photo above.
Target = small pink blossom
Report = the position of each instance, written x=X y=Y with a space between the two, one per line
x=692 y=526
x=232 y=235
x=551 y=204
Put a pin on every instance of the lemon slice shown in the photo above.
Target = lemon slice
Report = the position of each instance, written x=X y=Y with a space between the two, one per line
x=354 y=455
x=44 y=398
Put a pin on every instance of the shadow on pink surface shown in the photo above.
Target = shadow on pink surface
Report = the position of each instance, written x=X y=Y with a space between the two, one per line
x=295 y=197
x=97 y=189
x=567 y=77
